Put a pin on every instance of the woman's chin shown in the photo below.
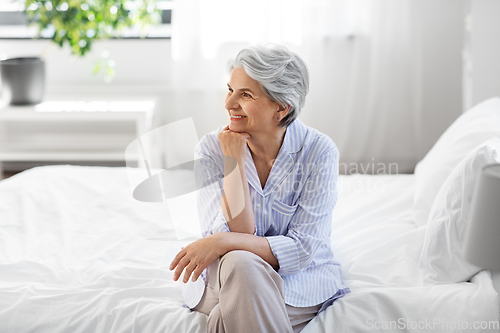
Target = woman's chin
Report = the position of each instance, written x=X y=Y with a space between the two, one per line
x=235 y=127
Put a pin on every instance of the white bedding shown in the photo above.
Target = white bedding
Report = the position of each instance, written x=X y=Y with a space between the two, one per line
x=79 y=254
x=375 y=239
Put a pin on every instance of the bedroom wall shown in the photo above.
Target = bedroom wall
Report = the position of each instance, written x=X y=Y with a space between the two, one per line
x=440 y=35
x=144 y=67
x=483 y=51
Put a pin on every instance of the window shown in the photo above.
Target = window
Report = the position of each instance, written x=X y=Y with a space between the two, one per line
x=14 y=23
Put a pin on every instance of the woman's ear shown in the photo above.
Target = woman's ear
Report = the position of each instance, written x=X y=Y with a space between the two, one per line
x=282 y=112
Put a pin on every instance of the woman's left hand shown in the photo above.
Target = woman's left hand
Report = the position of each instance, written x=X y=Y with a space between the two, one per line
x=197 y=256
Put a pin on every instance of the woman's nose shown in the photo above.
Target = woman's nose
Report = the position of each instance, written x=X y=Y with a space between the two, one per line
x=231 y=102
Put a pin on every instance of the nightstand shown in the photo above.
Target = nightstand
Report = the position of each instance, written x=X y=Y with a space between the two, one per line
x=91 y=131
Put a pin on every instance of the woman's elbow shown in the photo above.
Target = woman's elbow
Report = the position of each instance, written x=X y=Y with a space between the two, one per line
x=242 y=229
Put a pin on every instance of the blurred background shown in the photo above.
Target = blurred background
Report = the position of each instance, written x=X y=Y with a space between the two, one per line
x=387 y=76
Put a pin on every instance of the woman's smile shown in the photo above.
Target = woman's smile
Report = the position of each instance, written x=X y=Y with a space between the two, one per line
x=237 y=118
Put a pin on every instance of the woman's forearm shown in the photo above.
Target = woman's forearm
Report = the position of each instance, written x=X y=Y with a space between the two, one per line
x=251 y=243
x=236 y=202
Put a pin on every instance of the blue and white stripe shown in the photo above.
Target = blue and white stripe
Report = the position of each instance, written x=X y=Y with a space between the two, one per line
x=293 y=211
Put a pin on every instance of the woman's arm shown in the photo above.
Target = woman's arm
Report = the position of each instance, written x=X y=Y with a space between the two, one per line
x=195 y=257
x=236 y=202
x=251 y=243
x=217 y=174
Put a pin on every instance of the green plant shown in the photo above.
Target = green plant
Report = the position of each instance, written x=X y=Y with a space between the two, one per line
x=80 y=22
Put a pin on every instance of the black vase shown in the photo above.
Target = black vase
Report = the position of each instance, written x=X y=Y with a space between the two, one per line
x=23 y=80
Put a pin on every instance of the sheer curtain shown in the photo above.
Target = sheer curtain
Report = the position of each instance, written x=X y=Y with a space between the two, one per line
x=362 y=57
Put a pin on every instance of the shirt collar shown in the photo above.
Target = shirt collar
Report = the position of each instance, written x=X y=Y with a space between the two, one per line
x=294 y=137
x=292 y=143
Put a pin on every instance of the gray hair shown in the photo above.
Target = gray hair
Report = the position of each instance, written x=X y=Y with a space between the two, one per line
x=281 y=73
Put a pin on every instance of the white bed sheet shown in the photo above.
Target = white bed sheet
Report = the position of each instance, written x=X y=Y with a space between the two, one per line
x=79 y=254
x=375 y=239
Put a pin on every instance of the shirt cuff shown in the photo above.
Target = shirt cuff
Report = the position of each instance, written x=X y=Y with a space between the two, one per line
x=220 y=224
x=285 y=251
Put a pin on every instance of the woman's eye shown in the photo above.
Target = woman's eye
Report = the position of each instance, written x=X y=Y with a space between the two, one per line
x=246 y=95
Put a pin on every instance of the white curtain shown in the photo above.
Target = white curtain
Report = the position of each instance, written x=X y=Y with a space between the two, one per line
x=362 y=57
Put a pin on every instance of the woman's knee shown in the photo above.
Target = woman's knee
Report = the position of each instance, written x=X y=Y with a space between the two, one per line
x=238 y=261
x=215 y=323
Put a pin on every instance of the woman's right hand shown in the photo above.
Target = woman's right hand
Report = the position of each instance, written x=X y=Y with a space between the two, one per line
x=234 y=143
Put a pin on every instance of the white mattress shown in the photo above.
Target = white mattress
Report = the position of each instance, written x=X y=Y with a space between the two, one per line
x=79 y=254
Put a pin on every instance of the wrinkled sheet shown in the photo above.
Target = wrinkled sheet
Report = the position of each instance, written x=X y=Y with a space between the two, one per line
x=79 y=254
x=375 y=239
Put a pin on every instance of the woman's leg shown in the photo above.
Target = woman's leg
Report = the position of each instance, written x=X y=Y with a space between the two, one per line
x=209 y=303
x=245 y=276
x=210 y=296
x=251 y=296
x=300 y=317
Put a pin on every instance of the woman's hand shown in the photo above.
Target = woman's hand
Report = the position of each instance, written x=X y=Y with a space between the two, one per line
x=233 y=143
x=198 y=255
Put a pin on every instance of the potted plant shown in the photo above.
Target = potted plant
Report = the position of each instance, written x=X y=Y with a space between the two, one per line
x=77 y=23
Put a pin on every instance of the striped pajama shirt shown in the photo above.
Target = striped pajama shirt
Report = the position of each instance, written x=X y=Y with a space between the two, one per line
x=293 y=211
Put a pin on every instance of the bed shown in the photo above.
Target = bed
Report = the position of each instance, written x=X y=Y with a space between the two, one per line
x=79 y=254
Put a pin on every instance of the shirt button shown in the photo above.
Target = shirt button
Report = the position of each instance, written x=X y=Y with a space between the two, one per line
x=259 y=205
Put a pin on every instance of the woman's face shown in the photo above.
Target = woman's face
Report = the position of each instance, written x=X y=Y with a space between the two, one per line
x=249 y=108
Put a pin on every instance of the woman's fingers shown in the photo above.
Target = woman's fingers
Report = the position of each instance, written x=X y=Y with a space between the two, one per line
x=233 y=143
x=188 y=266
x=180 y=267
x=245 y=135
x=177 y=258
x=197 y=272
x=189 y=269
x=195 y=258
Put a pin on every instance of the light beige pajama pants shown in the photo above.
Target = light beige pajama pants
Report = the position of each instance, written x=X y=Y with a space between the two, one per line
x=245 y=294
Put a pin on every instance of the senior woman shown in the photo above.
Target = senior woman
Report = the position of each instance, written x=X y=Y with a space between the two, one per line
x=265 y=263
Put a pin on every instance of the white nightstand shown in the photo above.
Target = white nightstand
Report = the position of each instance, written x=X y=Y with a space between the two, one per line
x=73 y=131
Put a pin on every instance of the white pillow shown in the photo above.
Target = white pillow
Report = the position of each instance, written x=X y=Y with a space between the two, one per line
x=473 y=127
x=495 y=277
x=442 y=258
